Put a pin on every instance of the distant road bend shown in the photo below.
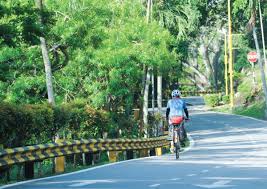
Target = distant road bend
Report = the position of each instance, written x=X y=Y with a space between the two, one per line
x=229 y=152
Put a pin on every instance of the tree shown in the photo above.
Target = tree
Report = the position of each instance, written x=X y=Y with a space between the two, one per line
x=47 y=63
x=247 y=10
x=252 y=26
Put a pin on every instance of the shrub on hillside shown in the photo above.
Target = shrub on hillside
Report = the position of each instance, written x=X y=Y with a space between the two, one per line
x=226 y=99
x=25 y=124
x=212 y=99
x=33 y=124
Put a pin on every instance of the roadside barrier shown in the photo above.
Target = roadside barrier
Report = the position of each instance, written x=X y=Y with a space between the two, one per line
x=31 y=154
x=184 y=93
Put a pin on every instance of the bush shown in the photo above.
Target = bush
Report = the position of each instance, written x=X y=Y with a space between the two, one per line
x=34 y=124
x=255 y=110
x=23 y=125
x=226 y=99
x=212 y=99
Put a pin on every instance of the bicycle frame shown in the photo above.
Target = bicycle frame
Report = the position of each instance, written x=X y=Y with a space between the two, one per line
x=176 y=138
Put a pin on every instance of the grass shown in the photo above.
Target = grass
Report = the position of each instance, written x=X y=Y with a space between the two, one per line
x=255 y=110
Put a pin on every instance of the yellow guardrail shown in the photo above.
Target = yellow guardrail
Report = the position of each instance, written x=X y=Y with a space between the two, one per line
x=39 y=152
x=199 y=92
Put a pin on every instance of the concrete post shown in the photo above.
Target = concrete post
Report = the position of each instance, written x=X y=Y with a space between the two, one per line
x=112 y=155
x=60 y=161
x=144 y=153
x=158 y=151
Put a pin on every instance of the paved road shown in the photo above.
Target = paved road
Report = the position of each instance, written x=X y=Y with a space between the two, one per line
x=229 y=152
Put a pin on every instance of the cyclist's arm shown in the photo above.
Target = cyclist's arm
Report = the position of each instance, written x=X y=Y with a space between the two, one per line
x=186 y=113
x=185 y=110
x=167 y=113
x=168 y=110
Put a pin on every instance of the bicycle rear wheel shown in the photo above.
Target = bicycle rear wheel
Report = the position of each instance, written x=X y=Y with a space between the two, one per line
x=177 y=148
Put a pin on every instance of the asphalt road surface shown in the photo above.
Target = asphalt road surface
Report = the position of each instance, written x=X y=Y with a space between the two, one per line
x=228 y=152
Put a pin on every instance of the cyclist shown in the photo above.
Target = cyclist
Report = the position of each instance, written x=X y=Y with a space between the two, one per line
x=176 y=107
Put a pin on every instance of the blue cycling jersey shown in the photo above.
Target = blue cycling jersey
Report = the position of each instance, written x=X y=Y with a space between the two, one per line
x=176 y=106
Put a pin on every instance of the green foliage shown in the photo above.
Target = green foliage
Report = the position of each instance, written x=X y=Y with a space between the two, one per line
x=255 y=110
x=226 y=99
x=212 y=99
x=34 y=124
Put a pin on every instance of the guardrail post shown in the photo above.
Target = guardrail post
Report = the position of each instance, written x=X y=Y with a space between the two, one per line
x=4 y=169
x=143 y=153
x=158 y=151
x=152 y=152
x=112 y=155
x=136 y=113
x=60 y=161
x=29 y=170
x=129 y=154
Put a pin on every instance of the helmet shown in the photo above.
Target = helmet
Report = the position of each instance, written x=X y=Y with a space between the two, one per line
x=176 y=93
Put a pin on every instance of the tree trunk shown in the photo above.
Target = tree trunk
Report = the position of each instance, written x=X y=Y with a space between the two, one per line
x=47 y=63
x=263 y=40
x=203 y=80
x=206 y=61
x=153 y=91
x=145 y=105
x=148 y=10
x=159 y=102
x=147 y=81
x=154 y=129
x=141 y=103
x=263 y=78
x=215 y=68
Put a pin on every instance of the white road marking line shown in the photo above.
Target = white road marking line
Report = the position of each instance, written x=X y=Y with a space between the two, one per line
x=191 y=175
x=232 y=178
x=87 y=182
x=217 y=167
x=204 y=171
x=154 y=185
x=217 y=184
x=175 y=179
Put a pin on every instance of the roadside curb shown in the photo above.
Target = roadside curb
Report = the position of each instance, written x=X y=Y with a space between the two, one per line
x=256 y=119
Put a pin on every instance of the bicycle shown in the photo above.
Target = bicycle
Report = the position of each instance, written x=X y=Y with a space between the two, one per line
x=179 y=133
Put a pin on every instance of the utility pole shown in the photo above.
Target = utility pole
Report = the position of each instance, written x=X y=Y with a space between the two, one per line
x=230 y=48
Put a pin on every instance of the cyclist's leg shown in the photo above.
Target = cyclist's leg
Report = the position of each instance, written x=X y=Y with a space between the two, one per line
x=171 y=135
x=170 y=131
x=178 y=138
x=184 y=131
